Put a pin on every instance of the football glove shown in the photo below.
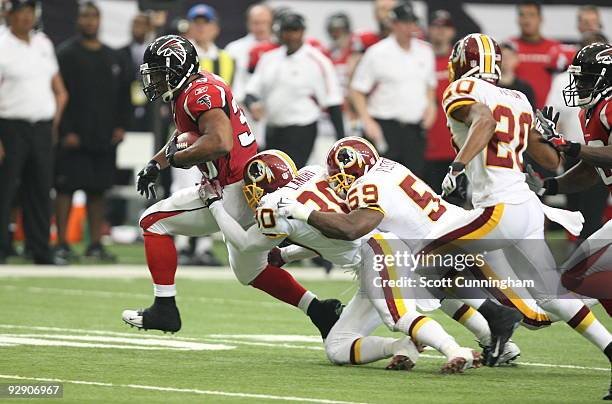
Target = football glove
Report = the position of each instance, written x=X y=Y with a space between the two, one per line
x=292 y=209
x=275 y=258
x=535 y=182
x=546 y=123
x=210 y=192
x=145 y=180
x=546 y=186
x=171 y=149
x=455 y=180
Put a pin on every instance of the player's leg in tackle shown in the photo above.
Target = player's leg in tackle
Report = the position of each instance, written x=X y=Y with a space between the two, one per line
x=397 y=306
x=184 y=213
x=475 y=322
x=350 y=343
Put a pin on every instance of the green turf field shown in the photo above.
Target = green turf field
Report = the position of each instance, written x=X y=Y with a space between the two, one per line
x=269 y=349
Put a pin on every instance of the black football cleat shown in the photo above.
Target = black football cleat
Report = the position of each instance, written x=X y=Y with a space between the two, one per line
x=324 y=314
x=163 y=315
x=502 y=322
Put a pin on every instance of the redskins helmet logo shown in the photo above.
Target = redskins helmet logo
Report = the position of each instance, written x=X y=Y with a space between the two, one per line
x=347 y=157
x=173 y=47
x=258 y=171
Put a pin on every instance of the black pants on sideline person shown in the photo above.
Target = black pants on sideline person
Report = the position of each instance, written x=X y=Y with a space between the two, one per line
x=296 y=141
x=28 y=164
x=406 y=143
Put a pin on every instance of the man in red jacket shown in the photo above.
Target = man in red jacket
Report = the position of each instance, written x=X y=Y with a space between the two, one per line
x=535 y=52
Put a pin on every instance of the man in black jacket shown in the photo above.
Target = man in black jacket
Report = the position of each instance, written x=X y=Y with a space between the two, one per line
x=92 y=126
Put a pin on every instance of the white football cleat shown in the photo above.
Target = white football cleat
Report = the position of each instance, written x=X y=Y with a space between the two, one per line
x=132 y=317
x=461 y=360
x=510 y=353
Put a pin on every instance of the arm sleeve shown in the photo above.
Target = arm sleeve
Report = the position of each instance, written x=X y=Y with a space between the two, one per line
x=243 y=240
x=294 y=252
x=364 y=77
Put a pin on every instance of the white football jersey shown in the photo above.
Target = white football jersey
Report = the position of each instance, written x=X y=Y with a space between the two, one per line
x=496 y=174
x=409 y=205
x=310 y=188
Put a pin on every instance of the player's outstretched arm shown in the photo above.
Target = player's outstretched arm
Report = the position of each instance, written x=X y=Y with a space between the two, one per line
x=482 y=128
x=544 y=153
x=243 y=240
x=596 y=156
x=343 y=226
x=216 y=139
x=579 y=178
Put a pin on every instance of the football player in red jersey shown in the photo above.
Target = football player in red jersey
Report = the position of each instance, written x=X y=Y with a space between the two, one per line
x=202 y=103
x=589 y=270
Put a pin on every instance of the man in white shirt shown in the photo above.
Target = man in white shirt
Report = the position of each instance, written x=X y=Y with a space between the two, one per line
x=259 y=25
x=393 y=91
x=32 y=97
x=291 y=85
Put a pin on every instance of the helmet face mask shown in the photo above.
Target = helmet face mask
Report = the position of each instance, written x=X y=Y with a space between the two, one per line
x=168 y=62
x=347 y=160
x=266 y=172
x=590 y=76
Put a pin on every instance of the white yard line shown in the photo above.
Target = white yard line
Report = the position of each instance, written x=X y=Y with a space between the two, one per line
x=179 y=390
x=275 y=341
x=141 y=271
x=112 y=295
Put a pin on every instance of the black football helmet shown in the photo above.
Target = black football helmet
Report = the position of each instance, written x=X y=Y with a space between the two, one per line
x=590 y=76
x=167 y=64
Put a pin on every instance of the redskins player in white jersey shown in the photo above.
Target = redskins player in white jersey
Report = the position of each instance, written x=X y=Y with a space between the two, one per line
x=349 y=340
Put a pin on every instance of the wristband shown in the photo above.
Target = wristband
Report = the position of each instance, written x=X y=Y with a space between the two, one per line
x=551 y=186
x=457 y=166
x=572 y=149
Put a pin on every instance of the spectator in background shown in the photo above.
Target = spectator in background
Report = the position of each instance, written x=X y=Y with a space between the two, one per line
x=203 y=31
x=93 y=125
x=536 y=53
x=32 y=98
x=439 y=153
x=259 y=26
x=394 y=91
x=508 y=77
x=342 y=45
x=589 y=20
x=140 y=119
x=290 y=86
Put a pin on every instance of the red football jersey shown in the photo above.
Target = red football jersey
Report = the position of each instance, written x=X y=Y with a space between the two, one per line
x=536 y=60
x=439 y=145
x=205 y=93
x=596 y=126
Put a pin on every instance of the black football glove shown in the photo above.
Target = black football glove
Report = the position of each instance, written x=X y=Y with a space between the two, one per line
x=145 y=180
x=546 y=123
x=171 y=150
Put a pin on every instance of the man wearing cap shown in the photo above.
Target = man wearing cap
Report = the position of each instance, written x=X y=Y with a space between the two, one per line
x=291 y=85
x=203 y=31
x=439 y=153
x=393 y=91
x=32 y=98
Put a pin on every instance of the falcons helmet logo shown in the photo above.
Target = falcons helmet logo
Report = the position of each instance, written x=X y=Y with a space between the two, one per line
x=173 y=47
